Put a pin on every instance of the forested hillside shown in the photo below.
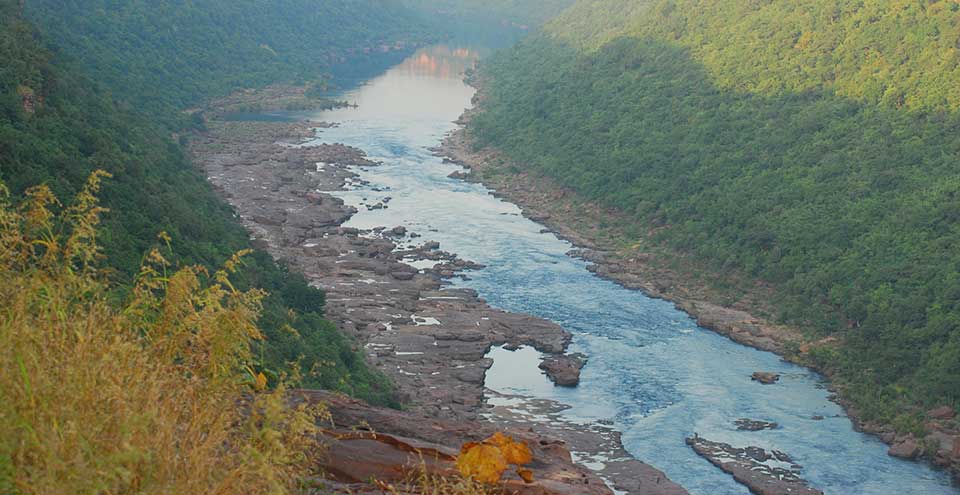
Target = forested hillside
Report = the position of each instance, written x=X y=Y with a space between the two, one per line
x=171 y=54
x=813 y=145
x=522 y=12
x=56 y=127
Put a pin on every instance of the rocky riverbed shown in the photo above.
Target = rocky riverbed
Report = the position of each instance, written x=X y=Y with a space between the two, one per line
x=579 y=222
x=429 y=339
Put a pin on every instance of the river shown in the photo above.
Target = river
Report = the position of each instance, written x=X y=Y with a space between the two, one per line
x=653 y=372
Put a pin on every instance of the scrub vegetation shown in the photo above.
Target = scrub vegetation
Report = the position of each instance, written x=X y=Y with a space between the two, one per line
x=154 y=395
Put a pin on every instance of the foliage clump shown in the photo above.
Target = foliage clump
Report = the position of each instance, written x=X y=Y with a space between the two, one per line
x=151 y=397
x=166 y=56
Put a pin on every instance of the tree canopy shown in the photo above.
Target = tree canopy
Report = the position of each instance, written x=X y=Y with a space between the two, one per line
x=166 y=55
x=813 y=145
x=527 y=12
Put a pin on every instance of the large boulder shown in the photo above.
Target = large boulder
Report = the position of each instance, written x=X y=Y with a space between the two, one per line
x=906 y=448
x=564 y=371
x=765 y=377
x=943 y=413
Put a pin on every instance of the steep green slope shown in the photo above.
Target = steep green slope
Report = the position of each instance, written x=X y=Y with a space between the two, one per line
x=522 y=12
x=899 y=53
x=171 y=54
x=490 y=23
x=57 y=126
x=813 y=145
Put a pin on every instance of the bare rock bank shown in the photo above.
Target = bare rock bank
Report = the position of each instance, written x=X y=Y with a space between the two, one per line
x=431 y=340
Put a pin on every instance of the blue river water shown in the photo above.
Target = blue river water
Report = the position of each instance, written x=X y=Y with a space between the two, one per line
x=652 y=370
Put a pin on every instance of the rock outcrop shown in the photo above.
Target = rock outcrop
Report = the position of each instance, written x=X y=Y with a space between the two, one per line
x=765 y=377
x=942 y=413
x=749 y=466
x=745 y=424
x=905 y=449
x=564 y=370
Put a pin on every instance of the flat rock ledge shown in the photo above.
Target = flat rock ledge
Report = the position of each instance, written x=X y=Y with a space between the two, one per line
x=755 y=468
x=746 y=424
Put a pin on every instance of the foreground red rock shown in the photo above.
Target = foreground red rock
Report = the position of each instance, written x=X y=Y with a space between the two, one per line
x=415 y=445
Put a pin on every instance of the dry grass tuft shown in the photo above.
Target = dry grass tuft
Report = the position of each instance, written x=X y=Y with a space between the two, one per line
x=154 y=397
x=426 y=483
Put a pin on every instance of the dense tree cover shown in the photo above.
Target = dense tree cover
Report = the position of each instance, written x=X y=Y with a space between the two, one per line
x=488 y=23
x=56 y=127
x=522 y=12
x=167 y=55
x=812 y=144
x=898 y=53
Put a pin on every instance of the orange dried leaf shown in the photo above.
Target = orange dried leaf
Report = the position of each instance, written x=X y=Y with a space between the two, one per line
x=499 y=439
x=526 y=474
x=517 y=453
x=483 y=463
